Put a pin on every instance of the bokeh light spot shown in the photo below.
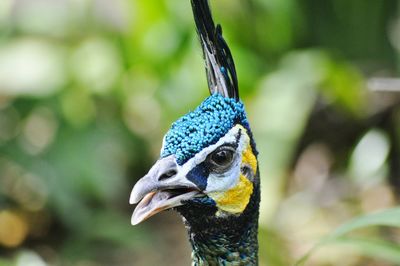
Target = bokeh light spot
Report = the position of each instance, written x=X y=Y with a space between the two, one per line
x=369 y=155
x=13 y=229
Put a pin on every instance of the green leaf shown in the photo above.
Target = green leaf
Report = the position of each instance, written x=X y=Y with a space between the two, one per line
x=390 y=217
x=373 y=248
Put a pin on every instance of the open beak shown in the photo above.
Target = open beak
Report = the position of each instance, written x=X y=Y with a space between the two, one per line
x=162 y=188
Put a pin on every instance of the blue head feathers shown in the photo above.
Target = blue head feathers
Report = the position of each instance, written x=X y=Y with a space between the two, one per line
x=196 y=130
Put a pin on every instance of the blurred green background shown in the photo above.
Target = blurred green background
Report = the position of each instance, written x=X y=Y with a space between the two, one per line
x=89 y=87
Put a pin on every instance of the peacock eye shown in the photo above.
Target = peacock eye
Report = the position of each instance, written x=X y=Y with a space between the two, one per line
x=222 y=158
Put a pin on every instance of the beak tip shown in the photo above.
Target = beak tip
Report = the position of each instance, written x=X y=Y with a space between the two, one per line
x=137 y=218
x=132 y=200
x=134 y=197
x=134 y=221
x=141 y=188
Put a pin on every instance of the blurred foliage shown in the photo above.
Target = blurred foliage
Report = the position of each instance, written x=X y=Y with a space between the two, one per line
x=89 y=87
x=377 y=248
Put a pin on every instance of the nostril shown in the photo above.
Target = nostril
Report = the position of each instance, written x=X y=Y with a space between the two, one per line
x=167 y=175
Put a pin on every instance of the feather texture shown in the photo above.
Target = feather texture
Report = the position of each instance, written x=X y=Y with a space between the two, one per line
x=220 y=67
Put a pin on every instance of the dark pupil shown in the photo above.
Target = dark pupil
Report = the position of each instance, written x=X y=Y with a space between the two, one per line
x=222 y=157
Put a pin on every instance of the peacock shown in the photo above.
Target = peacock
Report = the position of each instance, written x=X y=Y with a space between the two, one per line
x=208 y=169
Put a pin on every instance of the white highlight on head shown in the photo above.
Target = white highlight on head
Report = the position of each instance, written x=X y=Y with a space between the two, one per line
x=163 y=144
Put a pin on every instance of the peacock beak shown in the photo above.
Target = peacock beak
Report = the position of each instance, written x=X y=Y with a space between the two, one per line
x=163 y=187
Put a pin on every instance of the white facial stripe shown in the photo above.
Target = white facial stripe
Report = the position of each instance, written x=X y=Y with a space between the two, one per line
x=220 y=182
x=229 y=179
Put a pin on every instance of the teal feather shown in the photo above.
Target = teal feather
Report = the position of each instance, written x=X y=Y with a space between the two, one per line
x=196 y=130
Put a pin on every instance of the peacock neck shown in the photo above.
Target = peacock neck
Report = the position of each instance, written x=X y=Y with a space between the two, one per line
x=223 y=249
x=222 y=241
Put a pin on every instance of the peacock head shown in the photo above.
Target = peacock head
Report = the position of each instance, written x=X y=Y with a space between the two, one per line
x=207 y=164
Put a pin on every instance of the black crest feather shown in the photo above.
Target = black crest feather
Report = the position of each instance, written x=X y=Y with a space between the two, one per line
x=220 y=67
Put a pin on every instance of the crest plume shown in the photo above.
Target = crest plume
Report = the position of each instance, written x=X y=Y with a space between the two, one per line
x=220 y=67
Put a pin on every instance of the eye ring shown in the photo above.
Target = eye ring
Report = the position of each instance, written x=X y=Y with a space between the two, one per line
x=222 y=158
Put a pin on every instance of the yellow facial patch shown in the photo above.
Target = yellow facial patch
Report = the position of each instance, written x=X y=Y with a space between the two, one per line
x=235 y=199
x=250 y=159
